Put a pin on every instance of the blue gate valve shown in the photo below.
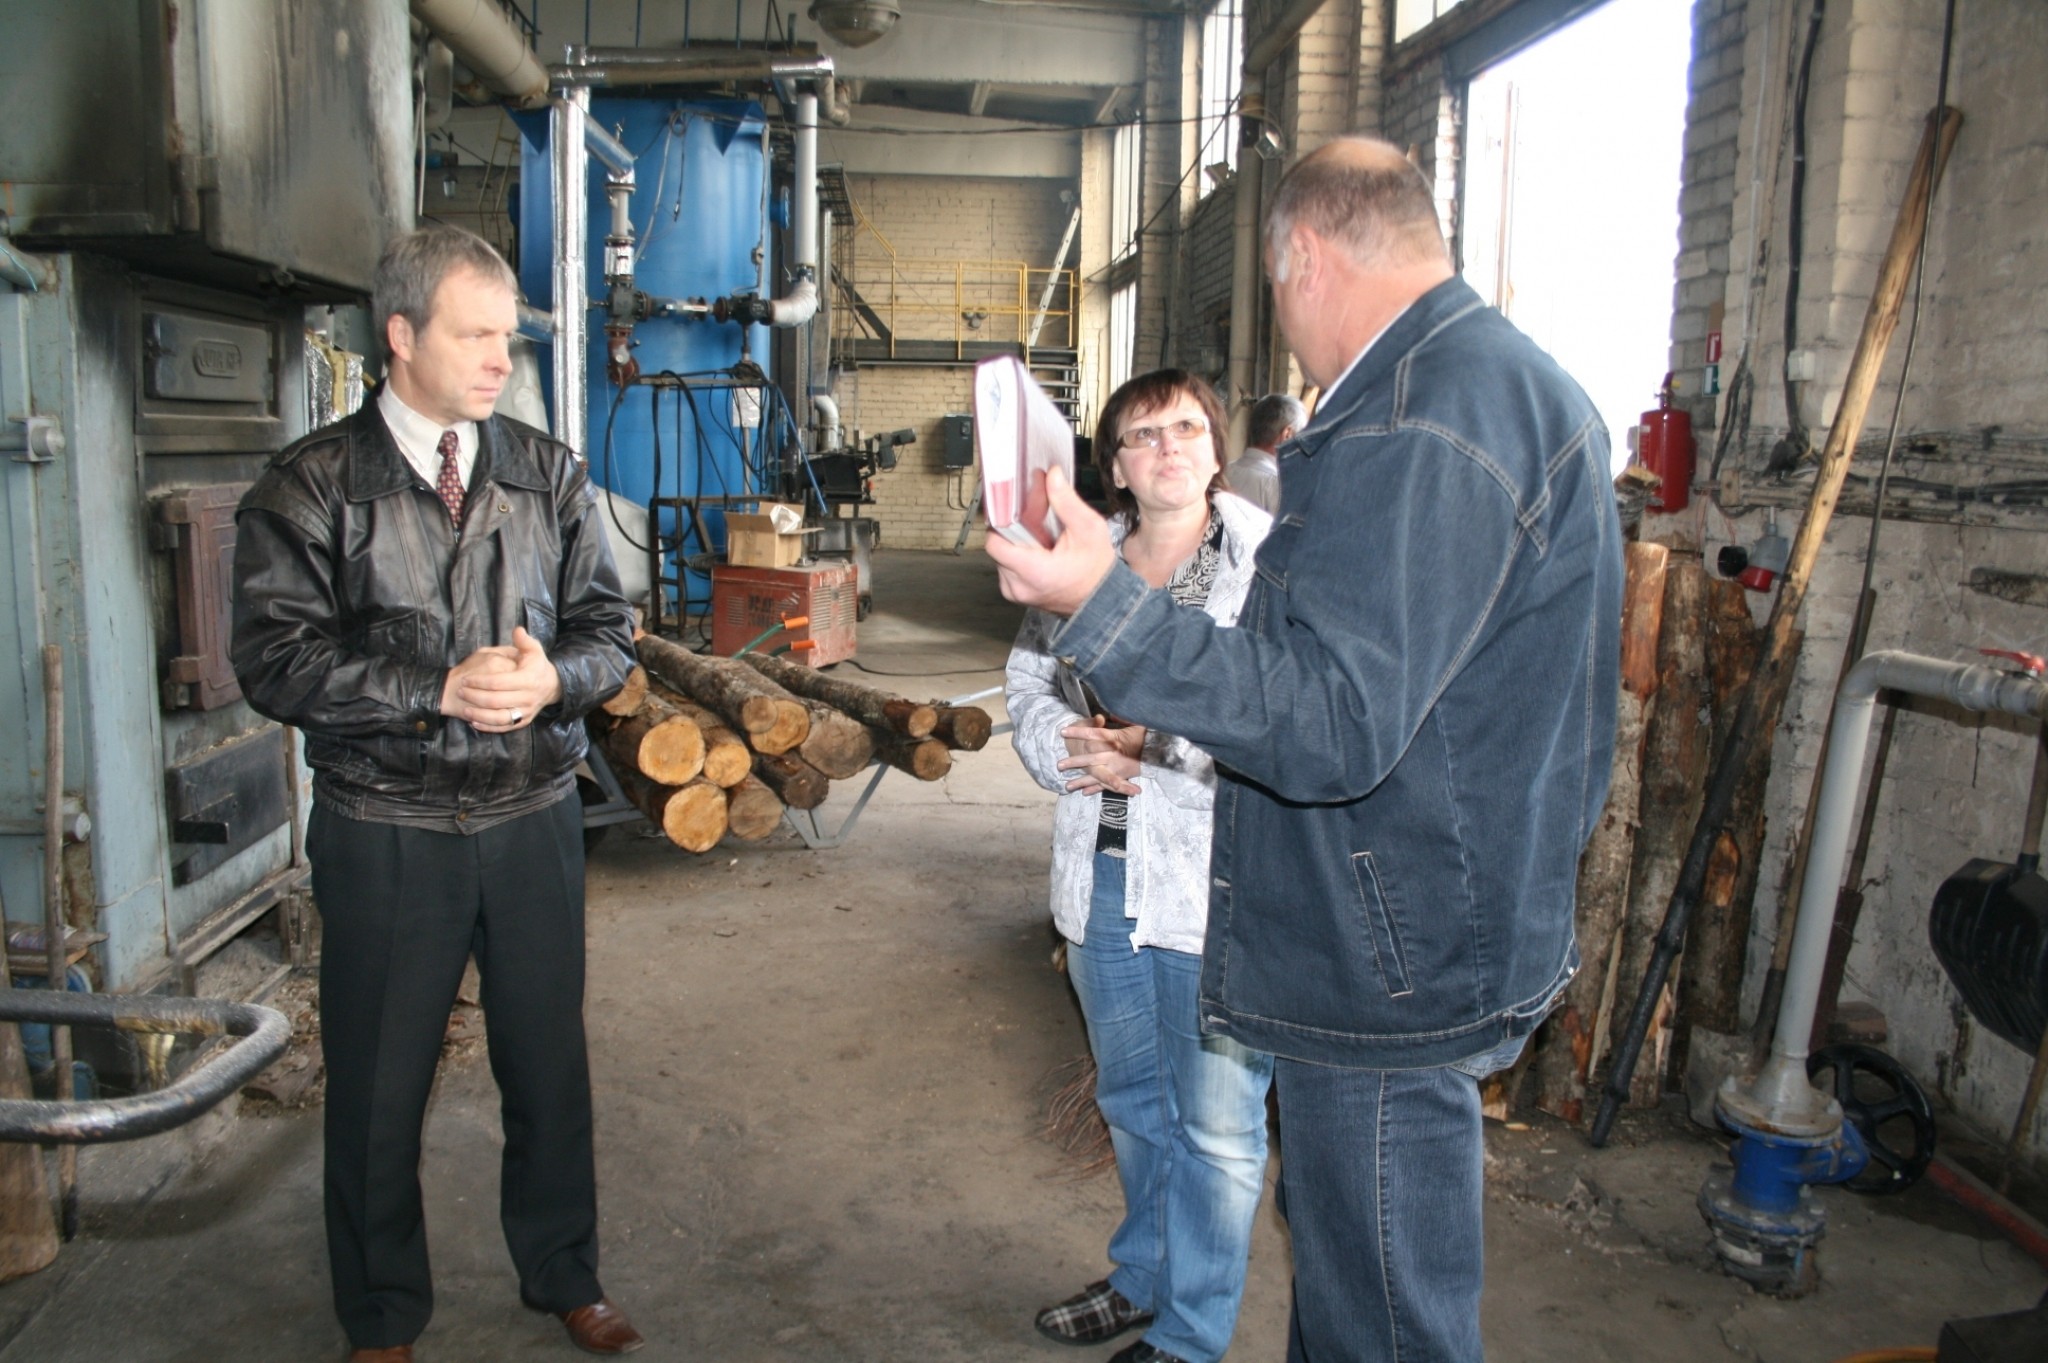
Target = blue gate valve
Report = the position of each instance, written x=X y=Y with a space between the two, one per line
x=1765 y=1221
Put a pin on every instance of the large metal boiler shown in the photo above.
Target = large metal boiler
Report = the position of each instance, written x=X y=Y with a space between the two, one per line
x=184 y=181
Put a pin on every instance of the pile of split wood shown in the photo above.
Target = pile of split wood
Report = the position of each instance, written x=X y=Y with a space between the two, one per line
x=706 y=746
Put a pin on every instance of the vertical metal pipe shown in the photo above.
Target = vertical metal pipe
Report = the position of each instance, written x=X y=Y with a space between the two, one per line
x=2037 y=806
x=566 y=124
x=819 y=379
x=807 y=181
x=55 y=938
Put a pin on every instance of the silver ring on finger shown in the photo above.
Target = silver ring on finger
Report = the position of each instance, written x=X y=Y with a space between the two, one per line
x=517 y=716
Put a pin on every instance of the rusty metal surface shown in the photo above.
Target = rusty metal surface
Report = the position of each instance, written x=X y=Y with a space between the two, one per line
x=263 y=1033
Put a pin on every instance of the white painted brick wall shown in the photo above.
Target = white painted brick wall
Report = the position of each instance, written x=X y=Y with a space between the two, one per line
x=1975 y=410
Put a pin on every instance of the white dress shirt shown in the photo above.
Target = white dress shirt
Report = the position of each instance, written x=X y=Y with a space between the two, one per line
x=419 y=439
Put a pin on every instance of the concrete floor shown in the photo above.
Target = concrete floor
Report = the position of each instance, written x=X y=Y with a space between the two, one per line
x=820 y=1078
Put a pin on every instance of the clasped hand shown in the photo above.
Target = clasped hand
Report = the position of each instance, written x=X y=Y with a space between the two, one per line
x=500 y=688
x=1104 y=754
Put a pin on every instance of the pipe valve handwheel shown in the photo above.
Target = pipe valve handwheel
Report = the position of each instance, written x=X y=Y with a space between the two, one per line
x=1886 y=1106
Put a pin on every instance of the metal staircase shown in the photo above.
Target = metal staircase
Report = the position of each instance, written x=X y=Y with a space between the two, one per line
x=1058 y=371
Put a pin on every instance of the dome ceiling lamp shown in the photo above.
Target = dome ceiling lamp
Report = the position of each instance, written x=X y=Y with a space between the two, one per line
x=856 y=23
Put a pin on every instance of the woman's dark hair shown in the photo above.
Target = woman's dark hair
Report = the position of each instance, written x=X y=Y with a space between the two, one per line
x=1149 y=393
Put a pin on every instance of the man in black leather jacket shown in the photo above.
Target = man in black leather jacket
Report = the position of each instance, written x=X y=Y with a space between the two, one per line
x=425 y=589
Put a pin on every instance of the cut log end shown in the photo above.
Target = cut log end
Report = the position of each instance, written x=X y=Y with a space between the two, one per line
x=925 y=758
x=695 y=817
x=963 y=727
x=753 y=810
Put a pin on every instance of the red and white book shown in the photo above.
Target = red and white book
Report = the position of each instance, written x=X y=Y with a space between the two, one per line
x=1022 y=436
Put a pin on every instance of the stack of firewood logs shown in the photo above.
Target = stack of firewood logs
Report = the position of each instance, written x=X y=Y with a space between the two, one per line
x=706 y=746
x=1688 y=645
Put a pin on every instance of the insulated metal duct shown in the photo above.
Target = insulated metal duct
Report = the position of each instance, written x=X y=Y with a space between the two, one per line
x=485 y=41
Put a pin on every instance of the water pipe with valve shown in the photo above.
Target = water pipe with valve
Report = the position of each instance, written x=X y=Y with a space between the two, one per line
x=1789 y=1135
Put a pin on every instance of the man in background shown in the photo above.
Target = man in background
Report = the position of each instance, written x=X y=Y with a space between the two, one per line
x=1255 y=474
x=425 y=590
x=1413 y=722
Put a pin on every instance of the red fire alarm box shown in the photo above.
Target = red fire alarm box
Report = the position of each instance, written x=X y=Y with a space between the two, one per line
x=747 y=601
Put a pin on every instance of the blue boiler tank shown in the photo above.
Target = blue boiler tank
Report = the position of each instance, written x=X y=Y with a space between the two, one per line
x=702 y=213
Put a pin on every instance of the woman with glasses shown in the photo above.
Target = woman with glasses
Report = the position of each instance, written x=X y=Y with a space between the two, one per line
x=1130 y=893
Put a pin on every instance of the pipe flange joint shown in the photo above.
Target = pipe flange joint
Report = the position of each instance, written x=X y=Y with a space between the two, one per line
x=1761 y=1210
x=1772 y=1251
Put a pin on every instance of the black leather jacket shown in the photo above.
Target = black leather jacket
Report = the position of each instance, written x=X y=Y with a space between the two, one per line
x=354 y=597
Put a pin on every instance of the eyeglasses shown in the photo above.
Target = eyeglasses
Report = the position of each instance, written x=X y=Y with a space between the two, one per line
x=1150 y=437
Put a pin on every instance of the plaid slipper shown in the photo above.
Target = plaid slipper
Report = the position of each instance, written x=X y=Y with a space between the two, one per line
x=1096 y=1313
x=1141 y=1352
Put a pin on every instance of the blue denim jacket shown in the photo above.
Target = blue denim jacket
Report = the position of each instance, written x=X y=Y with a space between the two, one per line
x=1415 y=716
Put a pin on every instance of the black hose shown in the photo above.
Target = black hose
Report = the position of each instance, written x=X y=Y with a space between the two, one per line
x=1792 y=449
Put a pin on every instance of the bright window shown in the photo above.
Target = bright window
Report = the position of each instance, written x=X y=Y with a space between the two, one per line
x=1412 y=15
x=1123 y=191
x=1123 y=334
x=1222 y=77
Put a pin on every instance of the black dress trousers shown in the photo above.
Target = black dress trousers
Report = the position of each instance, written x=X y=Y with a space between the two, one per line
x=402 y=910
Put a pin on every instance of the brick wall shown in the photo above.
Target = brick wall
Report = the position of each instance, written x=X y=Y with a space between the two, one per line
x=919 y=503
x=1203 y=314
x=1320 y=79
x=928 y=218
x=1422 y=115
x=943 y=219
x=1166 y=146
x=1960 y=568
x=1707 y=199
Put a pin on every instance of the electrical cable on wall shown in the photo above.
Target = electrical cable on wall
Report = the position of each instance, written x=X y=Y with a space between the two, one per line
x=1792 y=450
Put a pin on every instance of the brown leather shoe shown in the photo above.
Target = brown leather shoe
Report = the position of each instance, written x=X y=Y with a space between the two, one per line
x=397 y=1353
x=601 y=1328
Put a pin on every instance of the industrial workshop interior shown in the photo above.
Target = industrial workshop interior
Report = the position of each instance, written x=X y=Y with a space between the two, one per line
x=1788 y=1109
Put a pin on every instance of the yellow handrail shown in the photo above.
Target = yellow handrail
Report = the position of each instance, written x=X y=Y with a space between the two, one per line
x=980 y=300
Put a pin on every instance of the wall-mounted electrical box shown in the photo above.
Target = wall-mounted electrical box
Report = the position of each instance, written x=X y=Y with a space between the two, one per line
x=957 y=439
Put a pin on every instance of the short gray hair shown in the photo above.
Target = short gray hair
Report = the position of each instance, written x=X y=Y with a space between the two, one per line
x=1271 y=415
x=1378 y=211
x=415 y=263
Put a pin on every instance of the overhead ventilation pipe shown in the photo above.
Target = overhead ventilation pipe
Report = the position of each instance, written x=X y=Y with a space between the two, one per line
x=1245 y=255
x=486 y=42
x=800 y=304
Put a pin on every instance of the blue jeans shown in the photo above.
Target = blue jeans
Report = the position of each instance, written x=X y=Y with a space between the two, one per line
x=1382 y=1182
x=1187 y=1115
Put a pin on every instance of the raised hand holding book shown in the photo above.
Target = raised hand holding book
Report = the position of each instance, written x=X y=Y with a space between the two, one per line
x=1021 y=436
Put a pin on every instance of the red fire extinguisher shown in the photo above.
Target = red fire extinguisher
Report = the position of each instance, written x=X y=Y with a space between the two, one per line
x=1665 y=448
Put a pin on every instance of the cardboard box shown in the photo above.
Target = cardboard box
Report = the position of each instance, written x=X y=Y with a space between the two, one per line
x=770 y=538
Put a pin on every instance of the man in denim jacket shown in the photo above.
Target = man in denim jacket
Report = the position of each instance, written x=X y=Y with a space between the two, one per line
x=1414 y=723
